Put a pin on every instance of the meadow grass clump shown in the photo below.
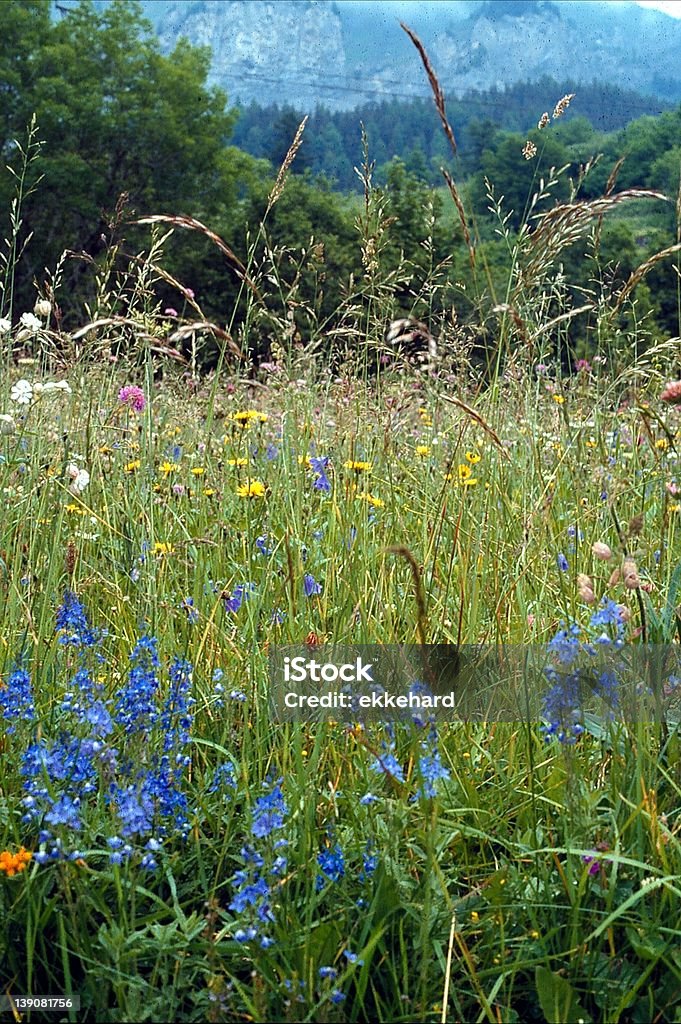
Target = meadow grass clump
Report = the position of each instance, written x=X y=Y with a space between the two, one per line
x=171 y=849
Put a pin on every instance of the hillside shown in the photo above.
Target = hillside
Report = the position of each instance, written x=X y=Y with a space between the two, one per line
x=342 y=54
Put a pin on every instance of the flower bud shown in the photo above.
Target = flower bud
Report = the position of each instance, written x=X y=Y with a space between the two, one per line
x=602 y=551
x=7 y=424
x=630 y=576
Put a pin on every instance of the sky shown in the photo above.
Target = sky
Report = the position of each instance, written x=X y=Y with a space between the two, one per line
x=672 y=7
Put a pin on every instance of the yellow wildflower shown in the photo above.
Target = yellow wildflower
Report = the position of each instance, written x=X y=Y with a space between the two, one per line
x=473 y=457
x=559 y=399
x=198 y=471
x=465 y=477
x=251 y=489
x=358 y=467
x=248 y=416
x=166 y=468
x=162 y=549
x=131 y=467
x=371 y=500
x=237 y=462
x=422 y=449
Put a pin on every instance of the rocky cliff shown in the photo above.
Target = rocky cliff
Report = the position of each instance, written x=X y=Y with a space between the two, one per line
x=304 y=52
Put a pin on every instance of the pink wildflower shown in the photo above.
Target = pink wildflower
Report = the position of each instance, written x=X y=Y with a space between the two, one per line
x=132 y=396
x=672 y=392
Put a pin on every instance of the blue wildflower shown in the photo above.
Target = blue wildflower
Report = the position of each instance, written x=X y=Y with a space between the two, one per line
x=310 y=585
x=16 y=699
x=431 y=770
x=136 y=707
x=65 y=811
x=71 y=622
x=332 y=863
x=239 y=595
x=261 y=545
x=269 y=812
x=223 y=776
x=388 y=764
x=562 y=562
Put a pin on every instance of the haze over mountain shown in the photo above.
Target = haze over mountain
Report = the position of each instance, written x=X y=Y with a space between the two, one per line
x=306 y=52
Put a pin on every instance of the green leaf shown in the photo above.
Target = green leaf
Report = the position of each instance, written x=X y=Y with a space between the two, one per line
x=557 y=999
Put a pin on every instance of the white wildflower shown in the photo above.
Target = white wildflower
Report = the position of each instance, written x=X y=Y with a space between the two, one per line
x=7 y=424
x=30 y=322
x=80 y=478
x=22 y=392
x=52 y=386
x=5 y=325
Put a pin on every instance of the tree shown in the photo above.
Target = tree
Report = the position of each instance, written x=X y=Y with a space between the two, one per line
x=115 y=116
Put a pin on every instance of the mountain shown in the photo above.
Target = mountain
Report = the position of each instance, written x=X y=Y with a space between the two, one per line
x=306 y=52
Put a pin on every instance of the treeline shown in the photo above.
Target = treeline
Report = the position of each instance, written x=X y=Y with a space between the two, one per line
x=410 y=129
x=127 y=132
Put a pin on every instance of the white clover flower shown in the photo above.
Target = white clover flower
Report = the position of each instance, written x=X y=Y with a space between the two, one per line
x=5 y=325
x=42 y=308
x=7 y=424
x=30 y=322
x=22 y=392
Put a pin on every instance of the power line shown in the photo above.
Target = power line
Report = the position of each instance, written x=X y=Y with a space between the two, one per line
x=635 y=101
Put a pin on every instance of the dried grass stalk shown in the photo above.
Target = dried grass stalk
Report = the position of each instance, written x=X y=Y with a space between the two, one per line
x=478 y=419
x=191 y=224
x=280 y=183
x=637 y=275
x=565 y=224
x=206 y=327
x=434 y=84
x=439 y=97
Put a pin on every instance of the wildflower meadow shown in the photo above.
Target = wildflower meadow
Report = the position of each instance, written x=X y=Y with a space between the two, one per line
x=170 y=849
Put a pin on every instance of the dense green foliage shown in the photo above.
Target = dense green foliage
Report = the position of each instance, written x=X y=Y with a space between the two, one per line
x=409 y=129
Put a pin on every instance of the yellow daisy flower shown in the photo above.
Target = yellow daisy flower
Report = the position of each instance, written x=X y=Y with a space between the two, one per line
x=372 y=500
x=465 y=477
x=247 y=416
x=251 y=489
